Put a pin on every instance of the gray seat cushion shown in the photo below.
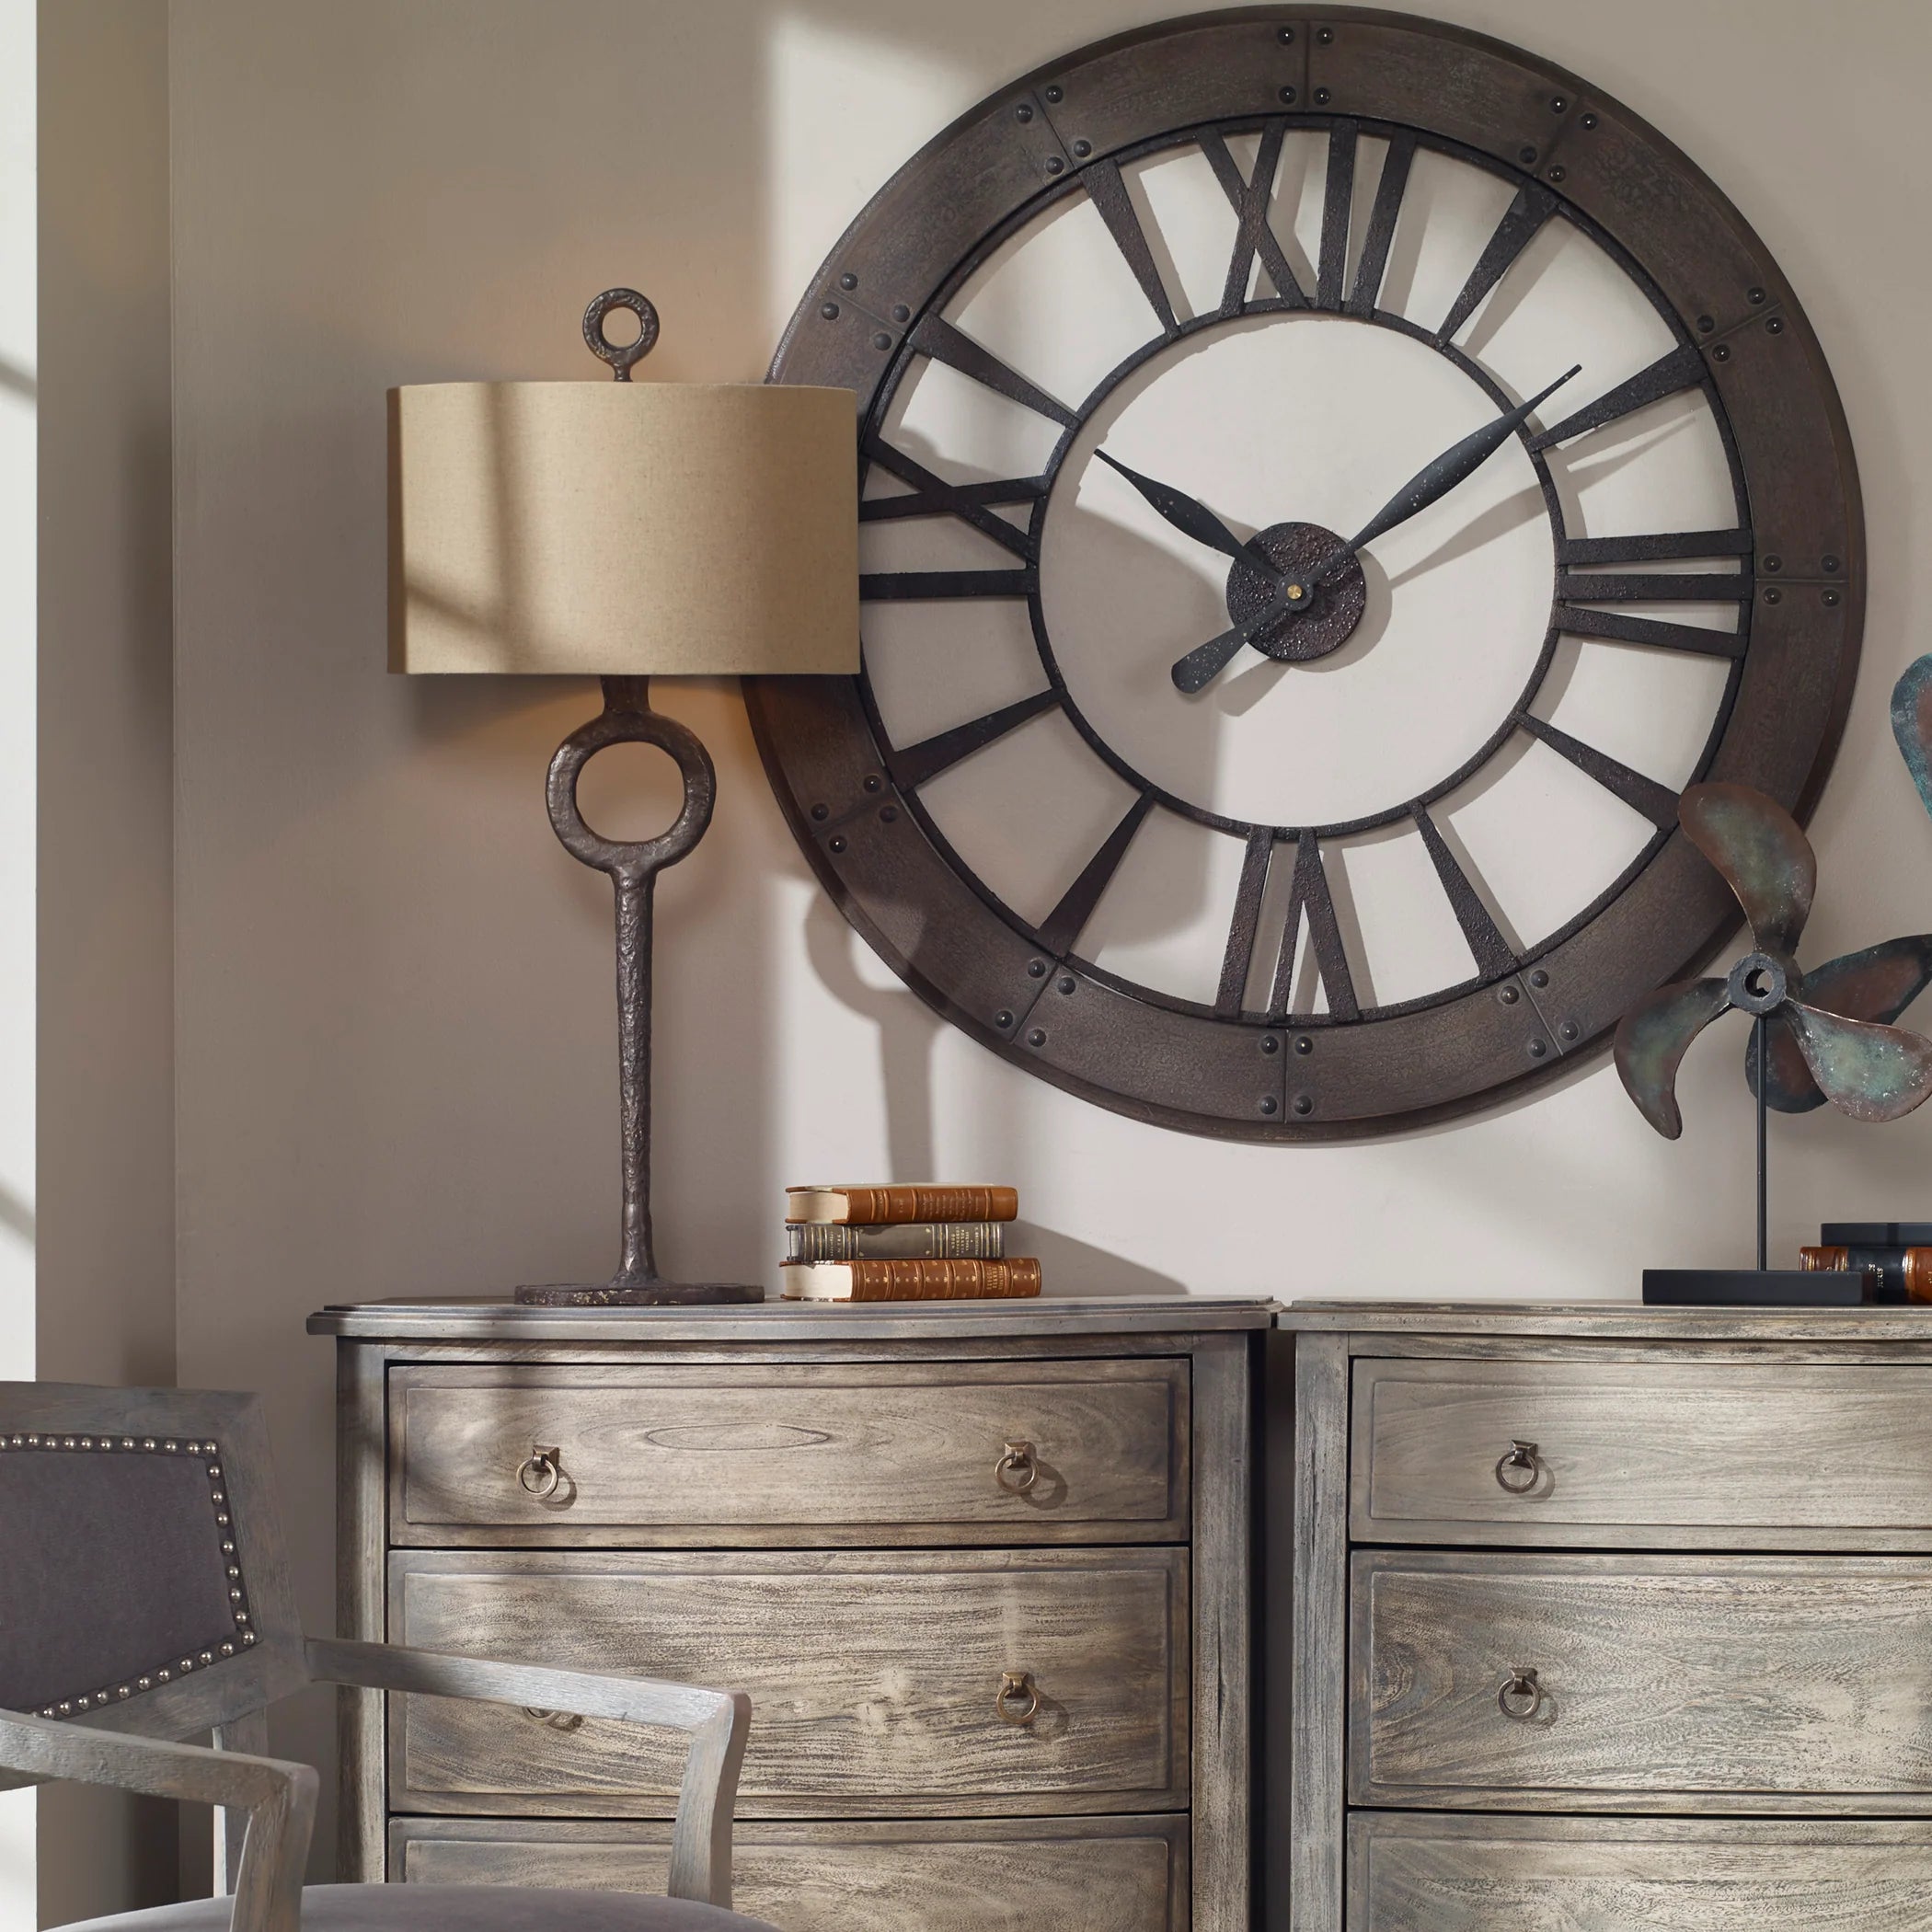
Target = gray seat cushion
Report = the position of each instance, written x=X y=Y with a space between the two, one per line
x=451 y=1908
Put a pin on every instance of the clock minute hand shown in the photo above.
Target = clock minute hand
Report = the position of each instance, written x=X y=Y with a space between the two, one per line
x=1193 y=518
x=1453 y=467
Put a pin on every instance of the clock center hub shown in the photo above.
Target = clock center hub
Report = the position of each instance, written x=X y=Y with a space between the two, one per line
x=1322 y=617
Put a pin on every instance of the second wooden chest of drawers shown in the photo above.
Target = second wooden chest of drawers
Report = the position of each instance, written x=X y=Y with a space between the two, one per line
x=984 y=1572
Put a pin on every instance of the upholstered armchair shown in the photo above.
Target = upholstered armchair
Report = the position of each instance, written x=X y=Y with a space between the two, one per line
x=144 y=1599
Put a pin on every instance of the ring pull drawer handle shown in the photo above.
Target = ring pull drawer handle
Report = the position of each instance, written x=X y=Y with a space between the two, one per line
x=1016 y=1472
x=556 y=1719
x=1017 y=1699
x=540 y=1472
x=1518 y=1470
x=1520 y=1698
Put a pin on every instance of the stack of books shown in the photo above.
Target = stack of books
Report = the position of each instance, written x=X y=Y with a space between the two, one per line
x=900 y=1243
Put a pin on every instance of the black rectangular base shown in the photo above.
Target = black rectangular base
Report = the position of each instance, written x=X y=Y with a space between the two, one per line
x=1751 y=1288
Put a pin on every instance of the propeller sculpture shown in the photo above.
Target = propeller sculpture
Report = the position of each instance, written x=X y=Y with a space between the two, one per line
x=1826 y=1035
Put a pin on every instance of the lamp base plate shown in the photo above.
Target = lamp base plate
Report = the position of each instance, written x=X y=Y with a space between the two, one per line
x=642 y=1295
x=1752 y=1288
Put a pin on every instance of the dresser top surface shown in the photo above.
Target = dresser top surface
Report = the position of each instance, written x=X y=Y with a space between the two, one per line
x=1608 y=1320
x=486 y=1319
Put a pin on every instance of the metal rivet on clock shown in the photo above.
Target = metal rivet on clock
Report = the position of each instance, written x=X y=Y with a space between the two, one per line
x=1286 y=36
x=1065 y=983
x=1755 y=297
x=1508 y=995
x=829 y=311
x=1774 y=595
x=1588 y=123
x=1831 y=598
x=1023 y=112
x=1538 y=1048
x=888 y=814
x=1775 y=327
x=1303 y=1104
x=1268 y=1103
x=1722 y=353
x=1054 y=164
x=1567 y=1029
x=901 y=313
x=873 y=782
x=848 y=282
x=1527 y=155
x=1326 y=37
x=1270 y=1044
x=1830 y=566
x=821 y=812
x=1055 y=95
x=1036 y=1038
x=1303 y=1044
x=1322 y=96
x=1774 y=563
x=1559 y=174
x=1706 y=324
x=1036 y=969
x=1002 y=1018
x=839 y=843
x=1558 y=106
x=1082 y=149
x=881 y=340
x=1287 y=96
x=1539 y=979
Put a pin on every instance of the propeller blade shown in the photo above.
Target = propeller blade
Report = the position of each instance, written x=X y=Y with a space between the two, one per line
x=1869 y=1072
x=1876 y=985
x=1912 y=724
x=1652 y=1038
x=1755 y=843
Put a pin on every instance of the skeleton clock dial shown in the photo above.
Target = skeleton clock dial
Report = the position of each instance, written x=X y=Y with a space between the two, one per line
x=1330 y=481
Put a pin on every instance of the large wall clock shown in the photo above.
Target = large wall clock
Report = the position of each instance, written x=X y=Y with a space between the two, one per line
x=1330 y=481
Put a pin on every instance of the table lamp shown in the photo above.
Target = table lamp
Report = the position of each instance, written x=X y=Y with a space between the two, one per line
x=628 y=530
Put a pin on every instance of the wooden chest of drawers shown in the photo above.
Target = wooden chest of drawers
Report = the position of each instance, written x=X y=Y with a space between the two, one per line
x=1602 y=1618
x=983 y=1570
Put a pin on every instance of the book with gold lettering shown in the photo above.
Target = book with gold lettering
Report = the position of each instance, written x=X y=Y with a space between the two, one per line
x=920 y=1201
x=1013 y=1280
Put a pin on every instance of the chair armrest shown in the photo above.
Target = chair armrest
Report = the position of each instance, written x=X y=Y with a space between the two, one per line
x=717 y=1721
x=278 y=1796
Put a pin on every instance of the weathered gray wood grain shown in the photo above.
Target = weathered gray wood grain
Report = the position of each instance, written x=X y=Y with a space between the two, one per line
x=362 y=1540
x=1223 y=1696
x=868 y=1453
x=1079 y=1875
x=1634 y=1454
x=873 y=1678
x=1313 y=1751
x=248 y=1733
x=1627 y=1320
x=1757 y=1681
x=481 y=1320
x=1411 y=1873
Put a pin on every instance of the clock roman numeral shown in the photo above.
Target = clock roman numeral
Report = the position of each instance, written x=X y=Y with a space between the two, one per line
x=1338 y=200
x=1668 y=374
x=1060 y=932
x=1655 y=546
x=1617 y=628
x=1309 y=893
x=918 y=764
x=1514 y=233
x=1252 y=235
x=1237 y=960
x=935 y=337
x=1492 y=953
x=1654 y=801
x=1108 y=190
x=934 y=496
x=1577 y=587
x=1383 y=218
x=925 y=586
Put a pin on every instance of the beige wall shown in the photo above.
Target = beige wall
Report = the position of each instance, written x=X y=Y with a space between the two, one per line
x=393 y=1020
x=105 y=1211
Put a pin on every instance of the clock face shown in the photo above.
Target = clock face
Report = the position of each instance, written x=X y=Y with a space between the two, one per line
x=1327 y=484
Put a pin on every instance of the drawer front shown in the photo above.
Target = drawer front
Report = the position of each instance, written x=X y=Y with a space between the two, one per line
x=1647 y=1454
x=1762 y=1683
x=1086 y=1875
x=872 y=1678
x=1422 y=1874
x=895 y=1453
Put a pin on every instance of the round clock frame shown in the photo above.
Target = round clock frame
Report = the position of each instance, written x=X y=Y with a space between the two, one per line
x=1224 y=1069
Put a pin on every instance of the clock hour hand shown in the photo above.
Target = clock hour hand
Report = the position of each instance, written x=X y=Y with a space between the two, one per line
x=1204 y=662
x=1430 y=484
x=1193 y=518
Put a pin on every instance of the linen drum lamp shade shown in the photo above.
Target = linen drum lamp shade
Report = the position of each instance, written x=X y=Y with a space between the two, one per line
x=643 y=529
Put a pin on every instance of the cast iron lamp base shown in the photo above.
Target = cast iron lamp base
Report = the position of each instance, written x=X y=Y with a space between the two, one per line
x=628 y=718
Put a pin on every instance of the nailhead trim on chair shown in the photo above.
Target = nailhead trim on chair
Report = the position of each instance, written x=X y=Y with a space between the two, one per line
x=238 y=1590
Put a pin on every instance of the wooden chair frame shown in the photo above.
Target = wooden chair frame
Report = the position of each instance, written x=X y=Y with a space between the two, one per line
x=269 y=1804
